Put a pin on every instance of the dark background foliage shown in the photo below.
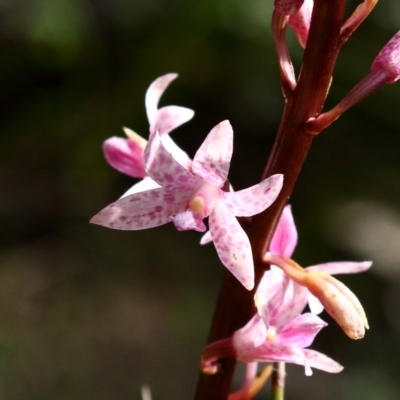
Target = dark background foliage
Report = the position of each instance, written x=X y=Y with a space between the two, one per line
x=87 y=312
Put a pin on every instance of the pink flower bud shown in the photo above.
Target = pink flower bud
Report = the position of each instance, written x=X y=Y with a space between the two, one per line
x=388 y=60
x=288 y=7
x=300 y=21
x=338 y=300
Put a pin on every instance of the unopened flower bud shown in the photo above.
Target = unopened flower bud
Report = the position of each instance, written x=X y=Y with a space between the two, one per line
x=126 y=155
x=300 y=21
x=388 y=60
x=338 y=300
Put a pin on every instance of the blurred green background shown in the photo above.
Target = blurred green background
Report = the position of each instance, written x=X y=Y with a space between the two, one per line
x=91 y=313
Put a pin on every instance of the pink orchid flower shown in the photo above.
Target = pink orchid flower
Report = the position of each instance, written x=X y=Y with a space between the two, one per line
x=283 y=244
x=186 y=197
x=126 y=154
x=276 y=333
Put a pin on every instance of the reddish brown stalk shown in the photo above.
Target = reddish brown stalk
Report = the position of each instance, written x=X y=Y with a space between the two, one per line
x=235 y=304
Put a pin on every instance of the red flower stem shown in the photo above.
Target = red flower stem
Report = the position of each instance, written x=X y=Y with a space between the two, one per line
x=235 y=304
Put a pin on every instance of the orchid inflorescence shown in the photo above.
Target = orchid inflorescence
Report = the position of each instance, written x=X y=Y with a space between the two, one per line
x=175 y=188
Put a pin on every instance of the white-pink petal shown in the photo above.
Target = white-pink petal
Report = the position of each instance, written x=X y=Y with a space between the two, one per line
x=232 y=244
x=342 y=267
x=320 y=361
x=141 y=210
x=165 y=170
x=285 y=237
x=154 y=93
x=255 y=199
x=213 y=158
x=206 y=238
x=168 y=118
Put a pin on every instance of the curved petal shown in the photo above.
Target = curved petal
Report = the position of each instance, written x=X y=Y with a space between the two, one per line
x=232 y=244
x=168 y=118
x=213 y=158
x=145 y=184
x=284 y=240
x=320 y=361
x=141 y=210
x=254 y=199
x=165 y=170
x=154 y=93
x=301 y=331
x=206 y=238
x=125 y=155
x=343 y=267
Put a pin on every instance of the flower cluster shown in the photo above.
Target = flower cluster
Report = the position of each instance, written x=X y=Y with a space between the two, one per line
x=184 y=191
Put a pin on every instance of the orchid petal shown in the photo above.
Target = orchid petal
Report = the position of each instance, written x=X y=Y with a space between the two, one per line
x=284 y=240
x=154 y=93
x=271 y=351
x=344 y=267
x=206 y=238
x=145 y=184
x=165 y=170
x=251 y=336
x=142 y=210
x=168 y=118
x=213 y=158
x=125 y=155
x=232 y=244
x=315 y=305
x=255 y=199
x=301 y=331
x=322 y=362
x=284 y=298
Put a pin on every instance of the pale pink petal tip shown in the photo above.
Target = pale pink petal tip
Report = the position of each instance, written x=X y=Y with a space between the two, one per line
x=154 y=93
x=388 y=60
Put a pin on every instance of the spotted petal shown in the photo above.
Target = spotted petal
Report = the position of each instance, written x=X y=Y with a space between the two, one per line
x=142 y=210
x=165 y=170
x=232 y=244
x=213 y=158
x=255 y=199
x=154 y=93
